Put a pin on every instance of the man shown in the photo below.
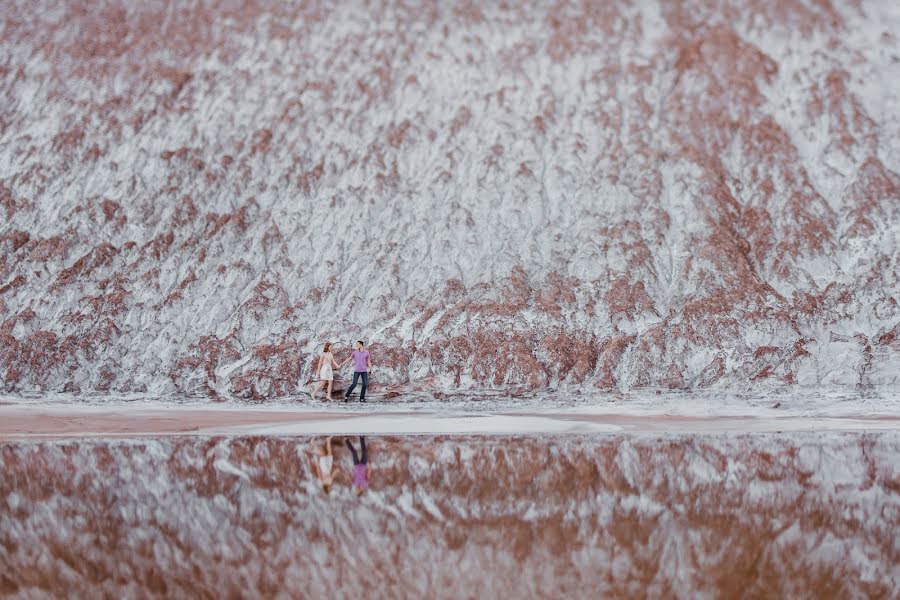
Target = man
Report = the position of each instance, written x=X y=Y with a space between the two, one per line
x=361 y=365
x=360 y=466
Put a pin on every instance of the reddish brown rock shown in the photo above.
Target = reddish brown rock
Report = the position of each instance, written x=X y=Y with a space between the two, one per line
x=561 y=209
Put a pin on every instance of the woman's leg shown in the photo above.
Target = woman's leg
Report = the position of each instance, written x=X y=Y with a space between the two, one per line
x=330 y=382
x=316 y=390
x=328 y=446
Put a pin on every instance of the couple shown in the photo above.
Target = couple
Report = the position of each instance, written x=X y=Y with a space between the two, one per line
x=362 y=364
x=327 y=473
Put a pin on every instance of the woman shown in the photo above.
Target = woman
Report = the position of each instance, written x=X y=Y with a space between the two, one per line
x=325 y=371
x=324 y=466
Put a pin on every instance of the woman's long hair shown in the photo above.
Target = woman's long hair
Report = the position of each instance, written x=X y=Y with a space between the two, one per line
x=327 y=347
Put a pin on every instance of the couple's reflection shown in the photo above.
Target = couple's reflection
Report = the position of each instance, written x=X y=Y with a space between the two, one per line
x=328 y=472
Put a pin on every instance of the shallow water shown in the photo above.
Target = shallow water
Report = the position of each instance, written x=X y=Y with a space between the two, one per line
x=809 y=514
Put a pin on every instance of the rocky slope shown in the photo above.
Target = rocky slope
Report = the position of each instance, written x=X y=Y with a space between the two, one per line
x=617 y=195
x=701 y=516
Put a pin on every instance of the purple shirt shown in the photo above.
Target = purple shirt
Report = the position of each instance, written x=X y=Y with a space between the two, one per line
x=360 y=360
x=359 y=476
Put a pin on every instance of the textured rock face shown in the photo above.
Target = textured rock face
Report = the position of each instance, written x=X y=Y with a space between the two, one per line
x=801 y=516
x=194 y=198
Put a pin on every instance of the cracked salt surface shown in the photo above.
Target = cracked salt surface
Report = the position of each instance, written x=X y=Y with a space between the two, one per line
x=798 y=402
x=545 y=197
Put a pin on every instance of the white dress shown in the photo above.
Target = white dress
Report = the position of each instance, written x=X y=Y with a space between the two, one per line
x=327 y=372
x=325 y=464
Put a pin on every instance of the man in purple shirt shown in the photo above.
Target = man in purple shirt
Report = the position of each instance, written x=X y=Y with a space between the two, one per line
x=360 y=466
x=361 y=365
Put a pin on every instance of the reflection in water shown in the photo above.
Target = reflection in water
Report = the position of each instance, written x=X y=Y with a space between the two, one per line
x=800 y=515
x=324 y=466
x=360 y=466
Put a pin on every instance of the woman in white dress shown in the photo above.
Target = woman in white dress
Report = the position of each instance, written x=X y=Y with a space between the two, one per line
x=323 y=464
x=325 y=371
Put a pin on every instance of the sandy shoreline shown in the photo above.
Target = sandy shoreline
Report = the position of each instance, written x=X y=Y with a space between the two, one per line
x=18 y=422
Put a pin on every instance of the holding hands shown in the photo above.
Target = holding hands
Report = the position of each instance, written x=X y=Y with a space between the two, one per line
x=363 y=364
x=327 y=364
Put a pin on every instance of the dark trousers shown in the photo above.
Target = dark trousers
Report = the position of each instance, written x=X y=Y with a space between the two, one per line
x=365 y=457
x=365 y=384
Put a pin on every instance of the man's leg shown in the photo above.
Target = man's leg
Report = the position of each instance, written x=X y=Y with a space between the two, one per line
x=365 y=455
x=353 y=451
x=352 y=385
x=365 y=384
